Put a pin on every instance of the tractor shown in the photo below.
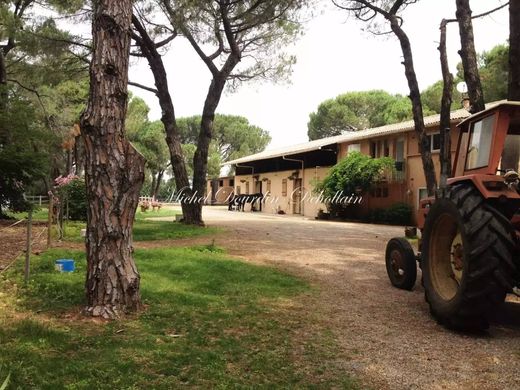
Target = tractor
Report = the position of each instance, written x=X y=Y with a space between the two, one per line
x=469 y=249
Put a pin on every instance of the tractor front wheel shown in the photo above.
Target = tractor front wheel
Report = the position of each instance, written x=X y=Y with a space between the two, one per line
x=467 y=259
x=401 y=265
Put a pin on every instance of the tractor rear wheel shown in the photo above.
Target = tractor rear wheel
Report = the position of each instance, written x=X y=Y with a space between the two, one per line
x=401 y=265
x=467 y=259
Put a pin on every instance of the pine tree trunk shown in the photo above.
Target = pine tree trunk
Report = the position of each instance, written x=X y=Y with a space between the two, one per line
x=114 y=170
x=191 y=210
x=445 y=125
x=417 y=111
x=469 y=56
x=158 y=183
x=200 y=158
x=514 y=51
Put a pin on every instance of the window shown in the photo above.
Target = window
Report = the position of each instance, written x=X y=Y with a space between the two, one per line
x=480 y=138
x=247 y=188
x=238 y=190
x=373 y=149
x=353 y=148
x=379 y=191
x=268 y=186
x=435 y=142
x=511 y=154
x=399 y=155
x=221 y=183
x=231 y=182
x=284 y=187
x=386 y=148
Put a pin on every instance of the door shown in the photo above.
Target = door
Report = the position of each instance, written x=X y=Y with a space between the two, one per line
x=297 y=196
x=258 y=190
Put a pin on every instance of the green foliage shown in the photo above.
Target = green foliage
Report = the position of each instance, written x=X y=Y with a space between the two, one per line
x=494 y=73
x=354 y=174
x=3 y=385
x=76 y=196
x=23 y=157
x=397 y=214
x=233 y=137
x=432 y=96
x=357 y=111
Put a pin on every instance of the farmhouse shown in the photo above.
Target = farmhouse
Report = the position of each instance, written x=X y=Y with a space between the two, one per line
x=287 y=176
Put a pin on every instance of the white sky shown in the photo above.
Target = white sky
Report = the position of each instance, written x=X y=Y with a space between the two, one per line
x=333 y=57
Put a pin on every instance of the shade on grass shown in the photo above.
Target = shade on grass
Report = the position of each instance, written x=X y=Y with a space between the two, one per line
x=147 y=230
x=210 y=322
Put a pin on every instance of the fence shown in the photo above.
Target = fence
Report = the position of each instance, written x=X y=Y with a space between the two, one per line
x=37 y=199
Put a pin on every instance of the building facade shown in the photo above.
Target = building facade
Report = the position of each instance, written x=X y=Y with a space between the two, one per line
x=287 y=177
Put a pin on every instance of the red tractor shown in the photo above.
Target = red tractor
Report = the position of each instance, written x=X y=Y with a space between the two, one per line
x=469 y=251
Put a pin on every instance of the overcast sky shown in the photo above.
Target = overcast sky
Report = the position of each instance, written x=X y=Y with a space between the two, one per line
x=333 y=57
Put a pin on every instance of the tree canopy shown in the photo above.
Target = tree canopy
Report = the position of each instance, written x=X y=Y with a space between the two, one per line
x=233 y=137
x=356 y=111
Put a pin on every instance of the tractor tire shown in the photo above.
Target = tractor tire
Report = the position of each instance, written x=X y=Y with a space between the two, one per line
x=467 y=259
x=400 y=263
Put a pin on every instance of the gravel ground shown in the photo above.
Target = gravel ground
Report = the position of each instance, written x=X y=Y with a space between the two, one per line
x=387 y=337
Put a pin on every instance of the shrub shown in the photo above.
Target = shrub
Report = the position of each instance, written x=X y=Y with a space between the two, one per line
x=397 y=214
x=353 y=175
x=73 y=194
x=77 y=197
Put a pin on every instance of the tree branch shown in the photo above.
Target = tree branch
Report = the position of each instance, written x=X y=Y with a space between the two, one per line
x=149 y=89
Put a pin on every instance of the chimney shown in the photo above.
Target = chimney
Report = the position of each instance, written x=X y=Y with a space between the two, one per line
x=465 y=102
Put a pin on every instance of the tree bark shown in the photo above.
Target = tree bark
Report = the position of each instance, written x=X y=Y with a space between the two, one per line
x=114 y=170
x=469 y=56
x=191 y=210
x=445 y=125
x=200 y=158
x=514 y=51
x=417 y=110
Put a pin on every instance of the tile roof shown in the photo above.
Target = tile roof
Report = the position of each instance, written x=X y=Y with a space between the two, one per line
x=429 y=121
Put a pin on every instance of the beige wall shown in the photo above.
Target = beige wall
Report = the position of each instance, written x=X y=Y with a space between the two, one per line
x=408 y=190
x=224 y=190
x=278 y=200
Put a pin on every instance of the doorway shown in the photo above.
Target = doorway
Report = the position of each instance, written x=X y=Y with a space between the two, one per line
x=297 y=196
x=258 y=190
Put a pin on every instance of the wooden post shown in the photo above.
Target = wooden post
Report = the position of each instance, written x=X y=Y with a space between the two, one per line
x=28 y=245
x=49 y=221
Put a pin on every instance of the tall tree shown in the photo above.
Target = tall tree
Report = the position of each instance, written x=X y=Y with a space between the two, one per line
x=113 y=168
x=469 y=56
x=368 y=11
x=513 y=92
x=224 y=34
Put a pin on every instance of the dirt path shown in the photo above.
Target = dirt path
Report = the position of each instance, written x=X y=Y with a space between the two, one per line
x=387 y=336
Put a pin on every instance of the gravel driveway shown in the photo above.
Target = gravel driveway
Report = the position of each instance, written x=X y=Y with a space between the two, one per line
x=387 y=336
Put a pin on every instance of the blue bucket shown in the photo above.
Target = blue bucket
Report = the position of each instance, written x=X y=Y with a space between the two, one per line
x=65 y=265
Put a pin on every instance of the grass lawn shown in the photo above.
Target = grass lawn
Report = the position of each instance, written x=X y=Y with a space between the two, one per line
x=146 y=230
x=210 y=322
x=166 y=211
x=40 y=215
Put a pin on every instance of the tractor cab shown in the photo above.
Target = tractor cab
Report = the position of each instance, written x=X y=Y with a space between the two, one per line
x=489 y=142
x=488 y=157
